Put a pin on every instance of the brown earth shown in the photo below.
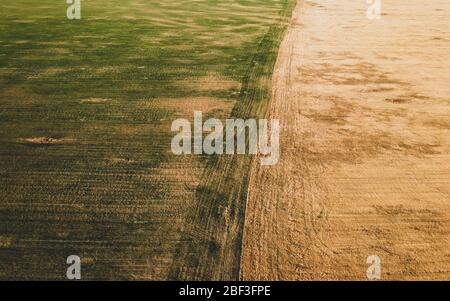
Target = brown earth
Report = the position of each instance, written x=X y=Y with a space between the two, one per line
x=365 y=145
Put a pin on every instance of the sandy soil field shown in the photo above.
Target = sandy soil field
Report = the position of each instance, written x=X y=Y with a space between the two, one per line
x=365 y=112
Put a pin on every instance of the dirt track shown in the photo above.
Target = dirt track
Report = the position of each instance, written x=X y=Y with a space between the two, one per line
x=365 y=112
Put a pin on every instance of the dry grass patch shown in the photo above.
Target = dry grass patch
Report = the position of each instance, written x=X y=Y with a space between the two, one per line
x=213 y=82
x=186 y=106
x=93 y=100
x=43 y=140
x=6 y=241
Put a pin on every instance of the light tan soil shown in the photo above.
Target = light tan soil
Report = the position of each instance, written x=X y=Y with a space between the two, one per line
x=365 y=142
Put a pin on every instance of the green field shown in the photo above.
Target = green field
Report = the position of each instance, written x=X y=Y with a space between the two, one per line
x=85 y=113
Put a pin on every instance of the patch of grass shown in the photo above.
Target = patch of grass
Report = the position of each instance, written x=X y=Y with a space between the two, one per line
x=110 y=189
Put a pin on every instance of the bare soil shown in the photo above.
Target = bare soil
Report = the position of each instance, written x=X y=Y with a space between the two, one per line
x=364 y=168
